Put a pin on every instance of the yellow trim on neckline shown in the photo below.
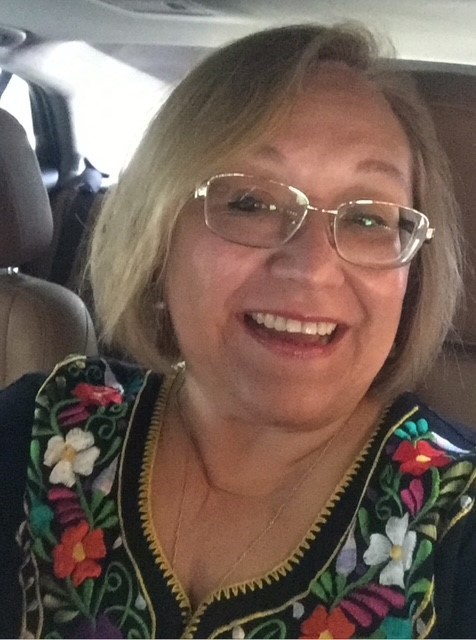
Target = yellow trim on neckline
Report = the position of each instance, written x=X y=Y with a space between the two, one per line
x=277 y=573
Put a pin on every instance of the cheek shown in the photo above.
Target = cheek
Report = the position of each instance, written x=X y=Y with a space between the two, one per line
x=385 y=293
x=205 y=278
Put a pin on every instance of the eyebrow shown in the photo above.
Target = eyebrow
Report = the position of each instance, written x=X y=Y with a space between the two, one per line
x=381 y=166
x=369 y=165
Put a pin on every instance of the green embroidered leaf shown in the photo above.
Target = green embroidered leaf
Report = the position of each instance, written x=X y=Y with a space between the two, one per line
x=422 y=554
x=428 y=529
x=41 y=432
x=444 y=500
x=402 y=434
x=463 y=468
x=396 y=482
x=35 y=453
x=106 y=510
x=326 y=580
x=42 y=401
x=363 y=518
x=318 y=591
x=65 y=615
x=386 y=476
x=340 y=583
x=433 y=517
x=383 y=509
x=453 y=486
x=378 y=634
x=422 y=426
x=421 y=586
x=49 y=584
x=39 y=550
x=98 y=497
x=108 y=522
x=269 y=629
x=411 y=428
x=110 y=451
x=87 y=592
x=52 y=602
x=34 y=476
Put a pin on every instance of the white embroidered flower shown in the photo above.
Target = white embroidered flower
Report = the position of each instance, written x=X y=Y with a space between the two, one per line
x=72 y=455
x=397 y=546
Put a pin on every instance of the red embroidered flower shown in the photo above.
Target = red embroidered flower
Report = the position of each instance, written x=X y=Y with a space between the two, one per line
x=323 y=624
x=417 y=458
x=90 y=394
x=77 y=553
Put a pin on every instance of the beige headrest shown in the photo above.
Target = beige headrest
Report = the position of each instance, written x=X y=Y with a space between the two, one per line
x=452 y=99
x=26 y=224
x=40 y=324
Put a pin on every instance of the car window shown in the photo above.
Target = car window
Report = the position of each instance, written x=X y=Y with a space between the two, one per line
x=110 y=102
x=16 y=100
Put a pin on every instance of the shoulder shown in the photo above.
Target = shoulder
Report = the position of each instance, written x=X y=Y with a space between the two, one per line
x=461 y=435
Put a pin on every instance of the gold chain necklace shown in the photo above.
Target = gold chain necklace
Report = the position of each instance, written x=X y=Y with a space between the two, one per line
x=274 y=518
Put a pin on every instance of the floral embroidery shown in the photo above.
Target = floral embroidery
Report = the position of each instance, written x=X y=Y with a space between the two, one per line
x=86 y=585
x=77 y=553
x=40 y=519
x=413 y=497
x=323 y=624
x=396 y=547
x=376 y=584
x=71 y=455
x=97 y=395
x=419 y=457
x=66 y=505
x=382 y=571
x=102 y=627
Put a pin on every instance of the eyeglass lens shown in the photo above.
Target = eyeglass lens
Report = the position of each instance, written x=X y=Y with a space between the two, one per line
x=263 y=213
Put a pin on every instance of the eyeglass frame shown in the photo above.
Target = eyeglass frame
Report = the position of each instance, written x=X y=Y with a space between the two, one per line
x=423 y=224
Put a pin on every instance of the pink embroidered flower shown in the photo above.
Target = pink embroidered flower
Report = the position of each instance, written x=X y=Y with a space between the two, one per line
x=73 y=415
x=412 y=497
x=416 y=458
x=372 y=602
x=77 y=554
x=66 y=506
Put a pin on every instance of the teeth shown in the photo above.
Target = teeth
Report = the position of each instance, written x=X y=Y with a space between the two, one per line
x=279 y=323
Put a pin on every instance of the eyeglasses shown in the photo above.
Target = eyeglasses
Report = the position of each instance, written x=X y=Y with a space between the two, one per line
x=262 y=213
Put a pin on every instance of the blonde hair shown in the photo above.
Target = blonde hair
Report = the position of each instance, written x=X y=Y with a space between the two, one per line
x=234 y=97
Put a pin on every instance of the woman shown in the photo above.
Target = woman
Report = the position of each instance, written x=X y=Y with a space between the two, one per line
x=287 y=234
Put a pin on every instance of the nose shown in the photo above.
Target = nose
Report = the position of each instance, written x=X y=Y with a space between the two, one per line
x=309 y=257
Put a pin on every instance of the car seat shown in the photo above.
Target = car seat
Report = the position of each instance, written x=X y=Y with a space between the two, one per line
x=40 y=322
x=451 y=385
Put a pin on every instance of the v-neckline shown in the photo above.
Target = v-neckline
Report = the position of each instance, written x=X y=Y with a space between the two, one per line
x=144 y=449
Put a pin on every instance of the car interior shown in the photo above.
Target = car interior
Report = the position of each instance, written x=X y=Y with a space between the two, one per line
x=79 y=80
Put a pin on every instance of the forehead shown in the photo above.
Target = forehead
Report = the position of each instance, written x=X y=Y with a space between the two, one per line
x=341 y=105
x=339 y=116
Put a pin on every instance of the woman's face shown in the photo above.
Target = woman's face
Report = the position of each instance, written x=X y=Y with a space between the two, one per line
x=341 y=142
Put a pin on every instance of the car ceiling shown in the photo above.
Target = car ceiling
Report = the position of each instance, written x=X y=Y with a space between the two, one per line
x=165 y=37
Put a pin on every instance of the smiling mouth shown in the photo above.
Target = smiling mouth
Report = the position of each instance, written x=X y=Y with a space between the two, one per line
x=278 y=328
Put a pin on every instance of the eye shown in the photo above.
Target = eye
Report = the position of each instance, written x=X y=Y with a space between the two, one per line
x=368 y=221
x=251 y=203
x=367 y=217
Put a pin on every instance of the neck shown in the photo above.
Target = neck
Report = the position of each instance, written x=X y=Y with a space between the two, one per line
x=257 y=457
